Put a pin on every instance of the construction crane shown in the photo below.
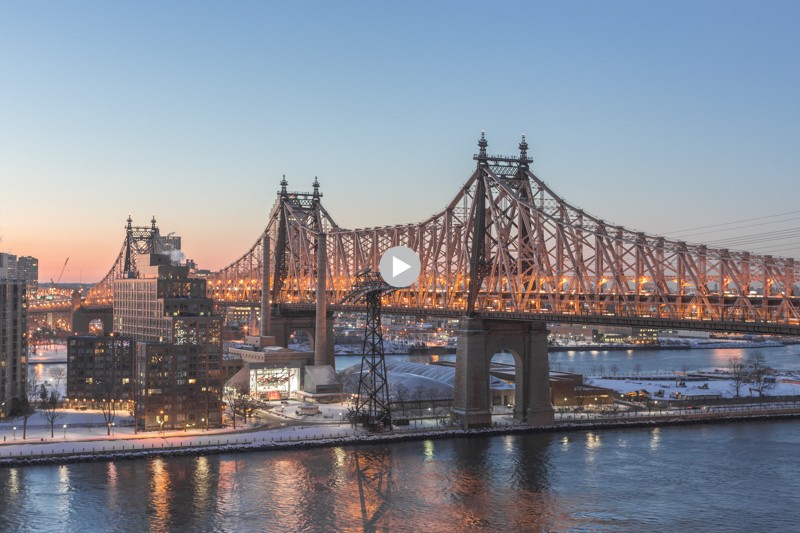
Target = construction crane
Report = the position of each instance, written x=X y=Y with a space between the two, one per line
x=53 y=283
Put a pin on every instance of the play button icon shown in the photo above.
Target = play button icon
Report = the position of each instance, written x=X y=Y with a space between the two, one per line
x=400 y=266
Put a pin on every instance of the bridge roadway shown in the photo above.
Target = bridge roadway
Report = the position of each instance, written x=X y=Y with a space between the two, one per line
x=758 y=328
x=703 y=324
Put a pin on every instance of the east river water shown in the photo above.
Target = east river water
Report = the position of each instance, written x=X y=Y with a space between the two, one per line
x=722 y=477
x=719 y=477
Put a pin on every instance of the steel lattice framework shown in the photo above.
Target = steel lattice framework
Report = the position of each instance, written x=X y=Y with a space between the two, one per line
x=372 y=405
x=507 y=245
x=139 y=240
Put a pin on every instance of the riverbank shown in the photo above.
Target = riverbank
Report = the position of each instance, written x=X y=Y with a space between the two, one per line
x=243 y=442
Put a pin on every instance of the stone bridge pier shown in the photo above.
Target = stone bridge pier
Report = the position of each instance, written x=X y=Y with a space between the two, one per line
x=83 y=316
x=285 y=321
x=480 y=339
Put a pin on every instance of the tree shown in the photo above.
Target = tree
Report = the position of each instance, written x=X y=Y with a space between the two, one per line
x=57 y=375
x=432 y=395
x=27 y=404
x=637 y=368
x=400 y=395
x=759 y=373
x=738 y=372
x=602 y=370
x=614 y=369
x=238 y=402
x=349 y=381
x=109 y=410
x=419 y=393
x=50 y=410
x=42 y=393
x=229 y=395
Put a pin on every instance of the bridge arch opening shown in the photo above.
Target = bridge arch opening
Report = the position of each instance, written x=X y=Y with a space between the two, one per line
x=96 y=327
x=505 y=382
x=301 y=340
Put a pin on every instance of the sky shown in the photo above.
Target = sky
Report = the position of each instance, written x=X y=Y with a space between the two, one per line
x=660 y=116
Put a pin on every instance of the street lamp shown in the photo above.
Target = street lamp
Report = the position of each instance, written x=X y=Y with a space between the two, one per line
x=15 y=432
x=65 y=431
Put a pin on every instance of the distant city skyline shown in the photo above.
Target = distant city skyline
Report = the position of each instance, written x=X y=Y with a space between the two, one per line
x=661 y=118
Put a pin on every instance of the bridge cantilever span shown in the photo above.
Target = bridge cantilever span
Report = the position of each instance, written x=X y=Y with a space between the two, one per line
x=508 y=245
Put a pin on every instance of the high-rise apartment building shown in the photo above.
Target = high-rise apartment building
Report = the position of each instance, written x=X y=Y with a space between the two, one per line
x=28 y=271
x=178 y=351
x=25 y=268
x=8 y=267
x=100 y=369
x=13 y=345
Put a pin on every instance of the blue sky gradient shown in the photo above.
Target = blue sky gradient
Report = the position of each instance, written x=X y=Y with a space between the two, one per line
x=657 y=116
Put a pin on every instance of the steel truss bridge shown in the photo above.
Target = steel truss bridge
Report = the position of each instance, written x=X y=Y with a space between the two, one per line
x=506 y=246
x=138 y=240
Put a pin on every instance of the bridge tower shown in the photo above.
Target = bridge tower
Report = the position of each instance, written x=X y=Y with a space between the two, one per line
x=479 y=339
x=305 y=210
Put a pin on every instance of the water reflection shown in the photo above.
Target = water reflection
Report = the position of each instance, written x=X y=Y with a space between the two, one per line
x=374 y=476
x=614 y=480
x=428 y=446
x=160 y=495
x=655 y=438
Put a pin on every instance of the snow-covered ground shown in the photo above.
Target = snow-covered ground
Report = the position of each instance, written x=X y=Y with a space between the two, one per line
x=786 y=385
x=79 y=439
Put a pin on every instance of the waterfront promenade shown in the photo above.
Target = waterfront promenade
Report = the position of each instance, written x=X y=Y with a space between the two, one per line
x=40 y=450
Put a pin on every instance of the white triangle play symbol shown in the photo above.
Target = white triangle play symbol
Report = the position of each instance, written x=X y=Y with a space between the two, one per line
x=399 y=266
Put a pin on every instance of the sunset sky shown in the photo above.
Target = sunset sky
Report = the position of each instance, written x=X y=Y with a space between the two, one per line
x=662 y=117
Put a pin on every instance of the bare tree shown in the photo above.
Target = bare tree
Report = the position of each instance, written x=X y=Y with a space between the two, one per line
x=442 y=414
x=419 y=393
x=230 y=397
x=50 y=410
x=602 y=370
x=246 y=405
x=400 y=395
x=238 y=402
x=432 y=395
x=614 y=369
x=738 y=372
x=349 y=381
x=109 y=410
x=27 y=404
x=57 y=375
x=759 y=373
x=637 y=368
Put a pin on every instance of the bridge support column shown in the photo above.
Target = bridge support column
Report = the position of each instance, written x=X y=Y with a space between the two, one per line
x=266 y=309
x=321 y=326
x=536 y=401
x=478 y=341
x=471 y=395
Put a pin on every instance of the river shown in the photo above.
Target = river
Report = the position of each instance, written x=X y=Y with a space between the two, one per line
x=593 y=362
x=721 y=477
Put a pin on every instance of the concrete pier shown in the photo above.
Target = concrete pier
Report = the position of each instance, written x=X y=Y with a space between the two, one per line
x=478 y=340
x=265 y=288
x=321 y=353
